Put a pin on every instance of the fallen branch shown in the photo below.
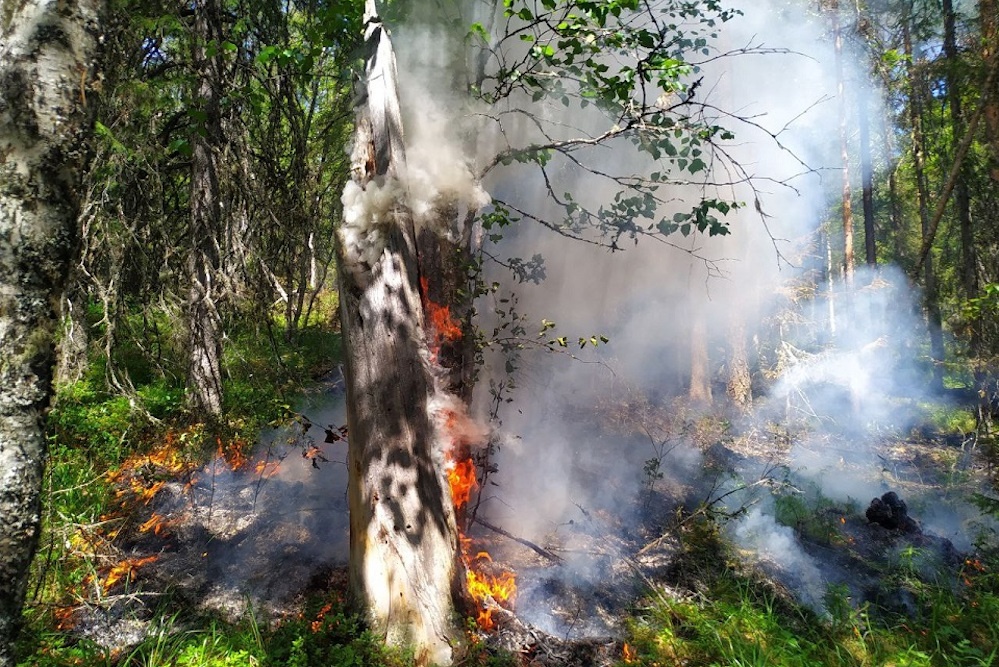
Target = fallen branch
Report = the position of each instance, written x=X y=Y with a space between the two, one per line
x=541 y=551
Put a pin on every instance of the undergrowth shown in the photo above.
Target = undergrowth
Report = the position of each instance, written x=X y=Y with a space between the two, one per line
x=734 y=616
x=106 y=416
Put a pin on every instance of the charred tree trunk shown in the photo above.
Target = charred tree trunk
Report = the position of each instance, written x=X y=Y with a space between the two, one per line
x=405 y=573
x=46 y=54
x=203 y=318
x=934 y=323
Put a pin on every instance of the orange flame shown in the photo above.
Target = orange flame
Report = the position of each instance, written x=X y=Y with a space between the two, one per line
x=461 y=478
x=158 y=524
x=265 y=468
x=628 y=654
x=233 y=453
x=126 y=569
x=141 y=476
x=64 y=617
x=484 y=588
x=443 y=326
x=317 y=624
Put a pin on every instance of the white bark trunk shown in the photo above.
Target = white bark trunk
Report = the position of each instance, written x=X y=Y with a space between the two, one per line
x=404 y=567
x=46 y=50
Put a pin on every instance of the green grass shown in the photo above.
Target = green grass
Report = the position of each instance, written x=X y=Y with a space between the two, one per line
x=93 y=429
x=332 y=638
x=737 y=618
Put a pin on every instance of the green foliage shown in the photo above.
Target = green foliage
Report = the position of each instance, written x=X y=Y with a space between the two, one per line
x=947 y=419
x=632 y=65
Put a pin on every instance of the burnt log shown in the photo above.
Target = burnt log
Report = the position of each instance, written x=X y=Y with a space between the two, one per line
x=890 y=511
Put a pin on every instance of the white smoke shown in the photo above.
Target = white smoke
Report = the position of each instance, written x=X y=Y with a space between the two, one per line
x=779 y=96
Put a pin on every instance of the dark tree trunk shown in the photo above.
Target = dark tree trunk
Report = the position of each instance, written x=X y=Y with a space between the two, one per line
x=962 y=198
x=867 y=180
x=204 y=321
x=988 y=13
x=46 y=54
x=931 y=296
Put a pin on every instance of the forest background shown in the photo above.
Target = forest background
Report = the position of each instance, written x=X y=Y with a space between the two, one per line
x=203 y=295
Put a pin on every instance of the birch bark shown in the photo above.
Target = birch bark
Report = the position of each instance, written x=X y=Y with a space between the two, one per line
x=46 y=72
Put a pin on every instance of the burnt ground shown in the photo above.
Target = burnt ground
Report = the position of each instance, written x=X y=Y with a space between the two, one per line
x=274 y=530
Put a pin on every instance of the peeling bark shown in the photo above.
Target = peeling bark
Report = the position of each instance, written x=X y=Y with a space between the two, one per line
x=405 y=573
x=46 y=66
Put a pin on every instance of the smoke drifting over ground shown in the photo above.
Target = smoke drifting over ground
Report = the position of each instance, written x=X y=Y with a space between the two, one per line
x=848 y=357
x=596 y=449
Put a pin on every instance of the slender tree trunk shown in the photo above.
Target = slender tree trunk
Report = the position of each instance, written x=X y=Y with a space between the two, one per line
x=988 y=13
x=46 y=66
x=740 y=383
x=867 y=178
x=204 y=320
x=894 y=204
x=405 y=573
x=962 y=198
x=844 y=146
x=934 y=323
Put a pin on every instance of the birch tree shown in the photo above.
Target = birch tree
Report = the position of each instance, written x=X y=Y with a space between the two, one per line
x=46 y=77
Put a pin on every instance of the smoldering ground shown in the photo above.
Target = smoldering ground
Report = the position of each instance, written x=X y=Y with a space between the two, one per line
x=576 y=440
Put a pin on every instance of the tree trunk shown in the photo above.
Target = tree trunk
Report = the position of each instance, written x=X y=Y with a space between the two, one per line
x=847 y=205
x=46 y=54
x=931 y=296
x=962 y=198
x=894 y=205
x=204 y=322
x=988 y=13
x=740 y=383
x=867 y=179
x=405 y=573
x=700 y=374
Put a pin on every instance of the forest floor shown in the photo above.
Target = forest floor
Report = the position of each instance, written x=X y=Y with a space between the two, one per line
x=728 y=542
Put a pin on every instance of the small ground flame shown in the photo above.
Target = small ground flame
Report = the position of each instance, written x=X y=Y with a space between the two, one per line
x=126 y=569
x=158 y=524
x=483 y=587
x=628 y=654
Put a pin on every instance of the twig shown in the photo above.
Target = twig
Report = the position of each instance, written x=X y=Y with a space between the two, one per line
x=527 y=543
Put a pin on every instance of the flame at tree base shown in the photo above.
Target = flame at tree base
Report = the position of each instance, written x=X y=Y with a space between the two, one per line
x=459 y=433
x=484 y=587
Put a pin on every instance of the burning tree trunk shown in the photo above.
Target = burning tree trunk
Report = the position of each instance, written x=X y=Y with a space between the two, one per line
x=405 y=572
x=46 y=53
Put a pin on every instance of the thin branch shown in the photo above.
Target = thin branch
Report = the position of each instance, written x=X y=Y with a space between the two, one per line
x=541 y=551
